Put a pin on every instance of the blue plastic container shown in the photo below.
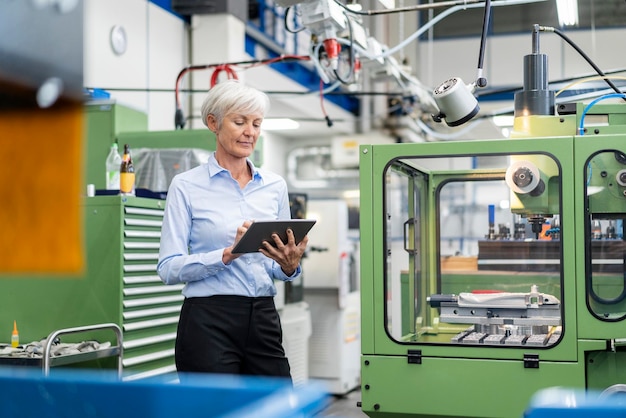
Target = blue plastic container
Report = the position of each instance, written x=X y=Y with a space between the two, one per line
x=575 y=403
x=25 y=392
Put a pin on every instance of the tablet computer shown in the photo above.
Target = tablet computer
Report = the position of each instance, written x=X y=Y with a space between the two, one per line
x=261 y=231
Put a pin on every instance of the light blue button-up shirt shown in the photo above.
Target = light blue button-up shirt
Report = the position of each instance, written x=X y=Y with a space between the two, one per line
x=204 y=207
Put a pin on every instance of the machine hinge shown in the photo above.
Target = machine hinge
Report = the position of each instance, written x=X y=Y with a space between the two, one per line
x=617 y=344
x=414 y=356
x=531 y=361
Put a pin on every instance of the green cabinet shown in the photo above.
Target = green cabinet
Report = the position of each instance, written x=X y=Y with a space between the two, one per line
x=119 y=285
x=104 y=121
x=124 y=252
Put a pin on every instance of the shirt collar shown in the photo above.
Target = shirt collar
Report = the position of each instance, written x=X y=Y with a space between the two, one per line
x=215 y=168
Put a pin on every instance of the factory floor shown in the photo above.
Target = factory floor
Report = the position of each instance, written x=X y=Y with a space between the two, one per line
x=344 y=406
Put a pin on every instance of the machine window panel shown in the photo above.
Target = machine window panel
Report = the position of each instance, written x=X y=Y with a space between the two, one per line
x=605 y=187
x=403 y=233
x=473 y=251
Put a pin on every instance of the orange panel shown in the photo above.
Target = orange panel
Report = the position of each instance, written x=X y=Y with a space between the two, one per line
x=41 y=183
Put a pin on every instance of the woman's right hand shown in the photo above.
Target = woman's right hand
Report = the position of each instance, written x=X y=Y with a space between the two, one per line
x=227 y=255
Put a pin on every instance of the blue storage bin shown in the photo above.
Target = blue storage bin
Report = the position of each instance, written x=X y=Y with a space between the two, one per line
x=559 y=402
x=25 y=392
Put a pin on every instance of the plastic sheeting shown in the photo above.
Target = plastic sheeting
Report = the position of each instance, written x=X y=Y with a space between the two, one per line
x=155 y=168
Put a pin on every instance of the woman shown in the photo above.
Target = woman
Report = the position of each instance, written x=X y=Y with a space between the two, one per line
x=228 y=321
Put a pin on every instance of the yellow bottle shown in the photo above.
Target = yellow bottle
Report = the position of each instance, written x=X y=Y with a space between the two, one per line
x=127 y=173
x=15 y=337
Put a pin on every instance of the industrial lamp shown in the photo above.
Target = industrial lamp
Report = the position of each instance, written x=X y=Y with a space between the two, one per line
x=455 y=100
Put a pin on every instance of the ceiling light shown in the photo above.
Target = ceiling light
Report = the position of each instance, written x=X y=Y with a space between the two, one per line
x=279 y=124
x=567 y=11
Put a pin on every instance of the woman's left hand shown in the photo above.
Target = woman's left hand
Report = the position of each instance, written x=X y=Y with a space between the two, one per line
x=287 y=255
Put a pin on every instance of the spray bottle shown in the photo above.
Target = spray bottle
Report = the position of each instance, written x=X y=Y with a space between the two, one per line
x=15 y=337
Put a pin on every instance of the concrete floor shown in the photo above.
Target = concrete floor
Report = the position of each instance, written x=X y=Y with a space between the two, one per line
x=344 y=406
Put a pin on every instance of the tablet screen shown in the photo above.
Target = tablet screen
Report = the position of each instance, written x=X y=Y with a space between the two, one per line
x=261 y=231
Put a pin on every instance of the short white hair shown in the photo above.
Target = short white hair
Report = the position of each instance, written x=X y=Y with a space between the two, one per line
x=232 y=96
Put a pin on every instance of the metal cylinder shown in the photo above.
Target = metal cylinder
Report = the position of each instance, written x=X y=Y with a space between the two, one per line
x=535 y=99
x=536 y=72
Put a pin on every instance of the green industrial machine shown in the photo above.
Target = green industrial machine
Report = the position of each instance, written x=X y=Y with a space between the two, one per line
x=491 y=269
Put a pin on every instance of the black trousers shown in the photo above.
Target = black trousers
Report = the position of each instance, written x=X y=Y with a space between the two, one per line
x=232 y=335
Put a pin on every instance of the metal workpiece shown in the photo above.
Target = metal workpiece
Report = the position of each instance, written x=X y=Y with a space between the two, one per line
x=496 y=317
x=506 y=300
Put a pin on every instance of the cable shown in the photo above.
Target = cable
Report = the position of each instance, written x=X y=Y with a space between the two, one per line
x=179 y=117
x=480 y=80
x=408 y=8
x=280 y=58
x=351 y=70
x=584 y=80
x=328 y=121
x=287 y=28
x=581 y=129
x=315 y=50
x=424 y=92
x=424 y=28
x=582 y=54
x=227 y=69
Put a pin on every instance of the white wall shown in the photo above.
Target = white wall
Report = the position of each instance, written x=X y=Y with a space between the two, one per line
x=274 y=150
x=214 y=38
x=157 y=51
x=168 y=53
